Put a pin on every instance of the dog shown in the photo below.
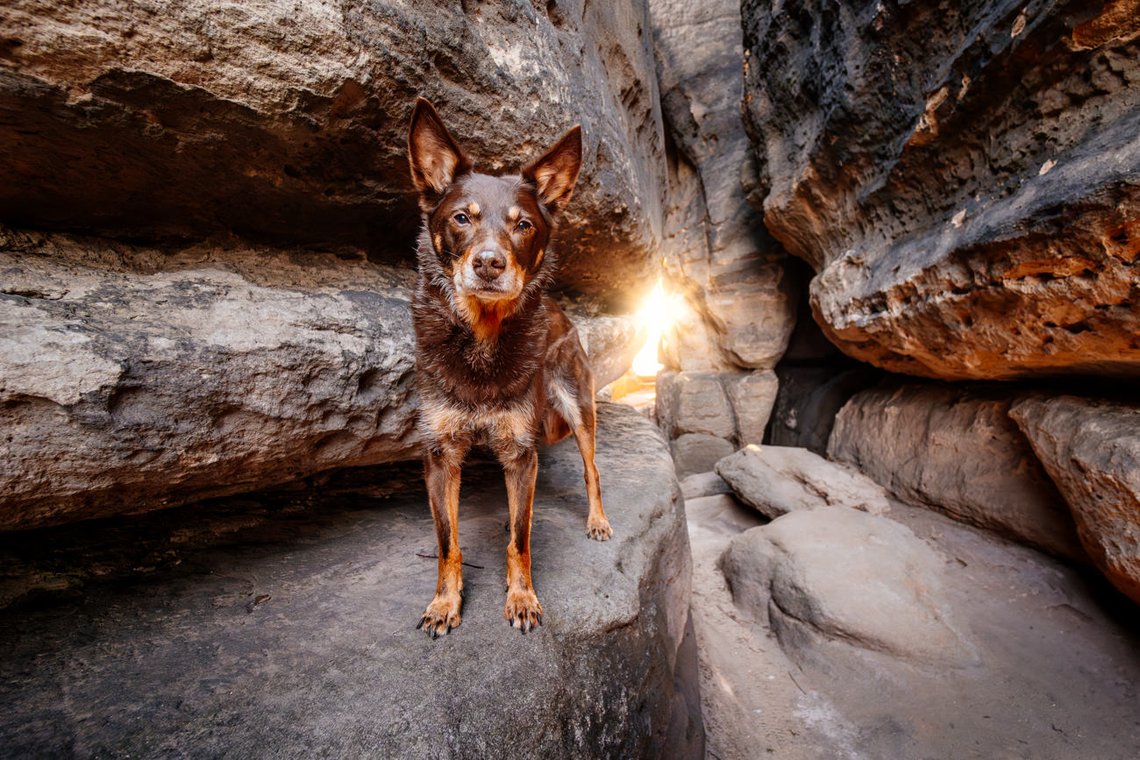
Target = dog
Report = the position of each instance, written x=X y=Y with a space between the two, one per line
x=498 y=363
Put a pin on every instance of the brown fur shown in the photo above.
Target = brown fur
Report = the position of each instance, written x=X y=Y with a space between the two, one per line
x=498 y=363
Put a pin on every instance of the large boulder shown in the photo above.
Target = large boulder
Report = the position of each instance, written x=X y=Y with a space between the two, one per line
x=776 y=480
x=286 y=121
x=839 y=577
x=956 y=451
x=1091 y=449
x=965 y=180
x=284 y=625
x=133 y=378
x=738 y=303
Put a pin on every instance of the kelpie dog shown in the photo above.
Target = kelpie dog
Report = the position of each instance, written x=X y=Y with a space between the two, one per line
x=497 y=362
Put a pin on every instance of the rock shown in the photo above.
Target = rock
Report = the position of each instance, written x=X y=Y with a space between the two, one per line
x=965 y=181
x=702 y=484
x=715 y=246
x=701 y=406
x=287 y=122
x=1091 y=449
x=955 y=450
x=776 y=480
x=808 y=399
x=698 y=452
x=841 y=577
x=284 y=624
x=133 y=378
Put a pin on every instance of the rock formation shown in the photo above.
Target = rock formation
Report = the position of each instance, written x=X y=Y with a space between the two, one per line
x=1091 y=450
x=956 y=451
x=964 y=180
x=286 y=122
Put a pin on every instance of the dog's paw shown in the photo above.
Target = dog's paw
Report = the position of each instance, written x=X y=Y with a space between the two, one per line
x=598 y=528
x=523 y=610
x=441 y=615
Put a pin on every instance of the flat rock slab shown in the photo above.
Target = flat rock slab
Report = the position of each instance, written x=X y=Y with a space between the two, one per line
x=777 y=480
x=282 y=625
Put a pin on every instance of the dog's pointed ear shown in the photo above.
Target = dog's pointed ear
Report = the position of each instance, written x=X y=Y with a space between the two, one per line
x=433 y=154
x=555 y=173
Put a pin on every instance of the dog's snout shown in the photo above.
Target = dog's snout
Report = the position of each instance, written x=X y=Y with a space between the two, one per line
x=489 y=264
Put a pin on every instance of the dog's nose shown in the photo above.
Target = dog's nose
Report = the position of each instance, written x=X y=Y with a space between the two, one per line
x=489 y=264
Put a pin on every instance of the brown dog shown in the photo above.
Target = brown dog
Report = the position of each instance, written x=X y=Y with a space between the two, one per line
x=497 y=362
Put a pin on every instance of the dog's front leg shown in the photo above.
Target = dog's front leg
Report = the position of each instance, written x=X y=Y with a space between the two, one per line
x=442 y=475
x=522 y=609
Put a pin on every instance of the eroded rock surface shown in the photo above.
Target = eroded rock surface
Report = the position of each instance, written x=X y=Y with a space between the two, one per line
x=964 y=180
x=1091 y=449
x=286 y=121
x=133 y=378
x=776 y=480
x=284 y=624
x=956 y=451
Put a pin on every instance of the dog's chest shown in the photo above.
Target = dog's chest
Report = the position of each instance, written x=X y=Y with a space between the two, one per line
x=498 y=427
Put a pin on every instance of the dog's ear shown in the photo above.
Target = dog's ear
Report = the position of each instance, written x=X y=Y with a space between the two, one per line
x=435 y=158
x=555 y=173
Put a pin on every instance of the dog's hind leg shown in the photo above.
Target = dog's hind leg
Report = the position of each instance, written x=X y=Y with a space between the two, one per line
x=597 y=524
x=442 y=474
x=522 y=610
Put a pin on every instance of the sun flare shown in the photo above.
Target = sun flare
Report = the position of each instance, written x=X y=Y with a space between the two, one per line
x=656 y=314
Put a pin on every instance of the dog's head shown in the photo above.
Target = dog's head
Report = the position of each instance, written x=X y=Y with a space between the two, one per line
x=488 y=235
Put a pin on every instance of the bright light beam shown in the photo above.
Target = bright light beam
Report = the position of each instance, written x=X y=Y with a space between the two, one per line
x=655 y=316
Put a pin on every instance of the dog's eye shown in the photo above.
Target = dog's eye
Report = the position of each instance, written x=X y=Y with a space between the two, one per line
x=524 y=226
x=461 y=219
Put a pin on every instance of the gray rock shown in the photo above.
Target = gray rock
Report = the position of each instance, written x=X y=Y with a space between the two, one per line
x=283 y=625
x=133 y=378
x=776 y=480
x=1091 y=449
x=808 y=399
x=751 y=396
x=840 y=577
x=287 y=122
x=715 y=246
x=693 y=402
x=955 y=451
x=702 y=484
x=698 y=452
x=964 y=180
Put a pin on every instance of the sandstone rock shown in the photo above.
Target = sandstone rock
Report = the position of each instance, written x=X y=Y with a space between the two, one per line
x=716 y=248
x=842 y=577
x=777 y=480
x=965 y=181
x=286 y=121
x=955 y=451
x=703 y=484
x=133 y=378
x=751 y=396
x=693 y=402
x=282 y=625
x=1091 y=449
x=698 y=452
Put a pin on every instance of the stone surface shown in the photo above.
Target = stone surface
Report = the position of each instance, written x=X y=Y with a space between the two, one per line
x=776 y=480
x=846 y=578
x=965 y=180
x=1055 y=676
x=133 y=378
x=717 y=252
x=286 y=121
x=702 y=484
x=693 y=402
x=751 y=396
x=698 y=452
x=283 y=625
x=1091 y=449
x=955 y=450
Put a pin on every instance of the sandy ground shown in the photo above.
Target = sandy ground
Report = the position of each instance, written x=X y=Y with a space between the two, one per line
x=1056 y=673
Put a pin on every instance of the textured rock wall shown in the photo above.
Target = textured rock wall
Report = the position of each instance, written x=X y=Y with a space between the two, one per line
x=286 y=121
x=965 y=180
x=133 y=378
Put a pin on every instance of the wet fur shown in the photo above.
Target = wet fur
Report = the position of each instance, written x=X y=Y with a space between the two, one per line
x=501 y=367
